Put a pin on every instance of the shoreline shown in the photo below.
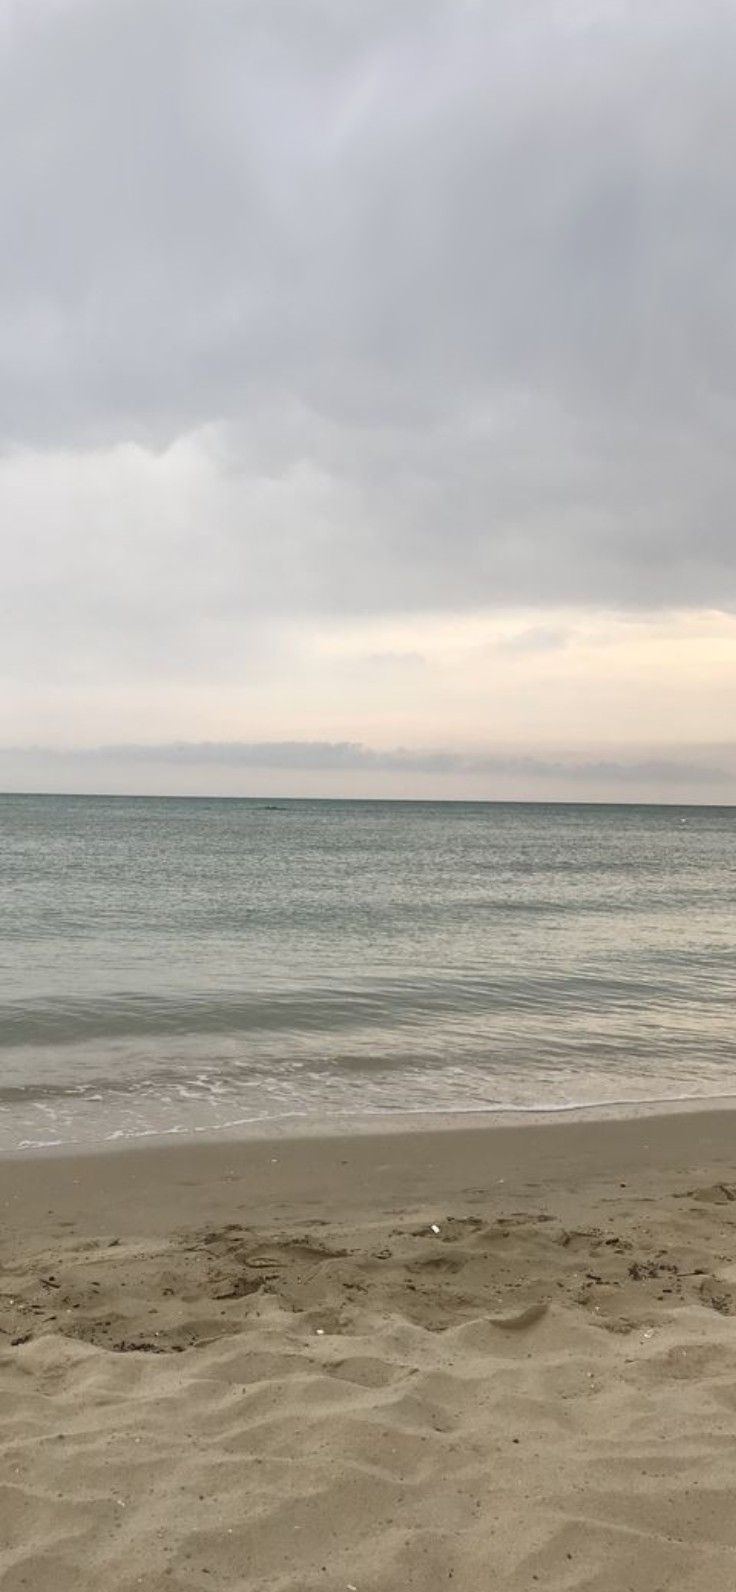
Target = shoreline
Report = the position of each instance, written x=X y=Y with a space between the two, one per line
x=300 y=1128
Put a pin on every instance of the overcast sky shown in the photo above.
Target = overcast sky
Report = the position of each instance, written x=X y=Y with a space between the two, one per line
x=367 y=398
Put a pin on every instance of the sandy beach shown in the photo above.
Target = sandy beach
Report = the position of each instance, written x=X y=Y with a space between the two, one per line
x=502 y=1357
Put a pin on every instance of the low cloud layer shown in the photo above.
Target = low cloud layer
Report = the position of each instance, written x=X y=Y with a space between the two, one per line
x=334 y=768
x=336 y=756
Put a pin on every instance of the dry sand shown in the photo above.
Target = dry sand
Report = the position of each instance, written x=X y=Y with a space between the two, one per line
x=259 y=1365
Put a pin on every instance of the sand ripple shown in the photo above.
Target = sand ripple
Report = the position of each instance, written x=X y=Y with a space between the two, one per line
x=503 y=1402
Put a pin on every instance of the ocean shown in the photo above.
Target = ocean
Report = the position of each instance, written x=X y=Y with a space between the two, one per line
x=193 y=966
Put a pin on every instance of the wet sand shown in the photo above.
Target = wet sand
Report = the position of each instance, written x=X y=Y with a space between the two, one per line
x=500 y=1356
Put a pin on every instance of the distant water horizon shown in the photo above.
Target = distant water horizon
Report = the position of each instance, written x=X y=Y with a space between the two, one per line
x=267 y=800
x=195 y=964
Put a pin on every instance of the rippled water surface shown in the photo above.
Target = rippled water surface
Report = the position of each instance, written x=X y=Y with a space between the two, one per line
x=187 y=965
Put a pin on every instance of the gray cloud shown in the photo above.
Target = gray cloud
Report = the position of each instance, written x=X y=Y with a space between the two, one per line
x=352 y=756
x=535 y=638
x=398 y=306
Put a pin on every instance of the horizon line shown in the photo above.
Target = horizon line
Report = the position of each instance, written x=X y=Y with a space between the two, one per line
x=358 y=801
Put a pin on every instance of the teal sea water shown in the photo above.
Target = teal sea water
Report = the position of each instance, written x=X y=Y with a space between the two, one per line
x=182 y=966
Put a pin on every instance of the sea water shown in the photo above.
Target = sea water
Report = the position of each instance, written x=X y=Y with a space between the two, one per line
x=198 y=966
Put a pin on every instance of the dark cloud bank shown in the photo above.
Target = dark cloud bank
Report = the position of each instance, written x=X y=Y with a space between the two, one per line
x=712 y=766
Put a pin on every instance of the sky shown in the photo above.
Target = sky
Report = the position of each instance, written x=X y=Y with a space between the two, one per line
x=367 y=398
